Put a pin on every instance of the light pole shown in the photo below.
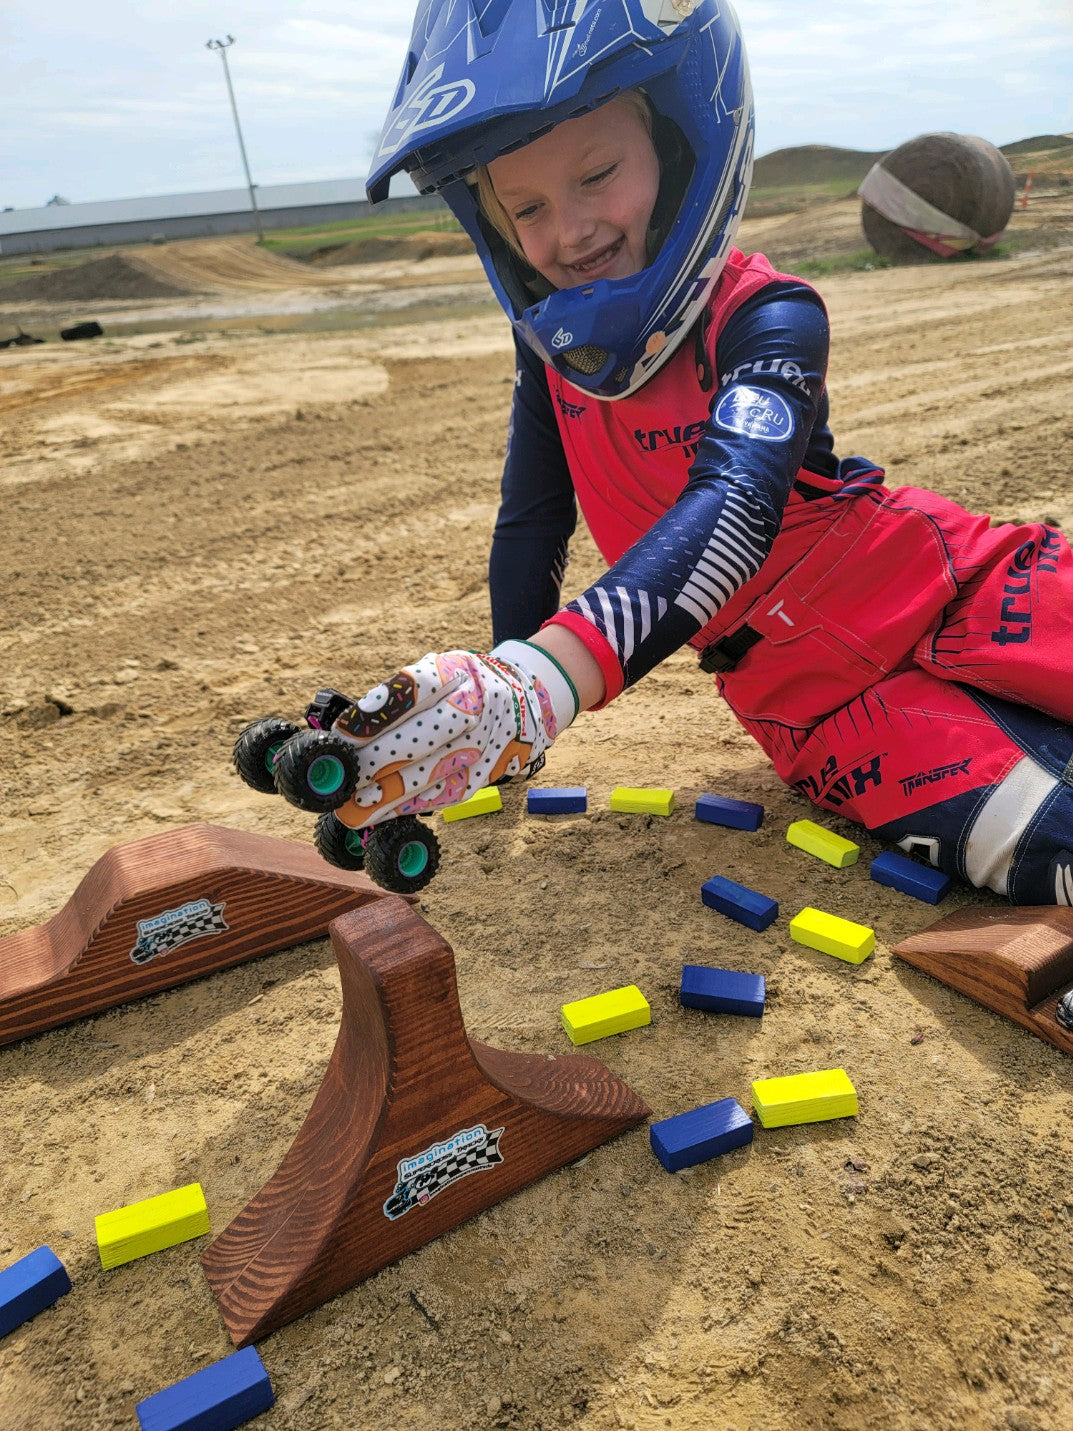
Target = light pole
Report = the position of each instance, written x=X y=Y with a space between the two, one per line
x=222 y=47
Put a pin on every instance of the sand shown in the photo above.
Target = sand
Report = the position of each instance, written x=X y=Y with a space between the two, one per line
x=197 y=533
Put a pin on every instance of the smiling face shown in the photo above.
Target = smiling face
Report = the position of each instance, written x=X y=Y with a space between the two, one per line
x=580 y=197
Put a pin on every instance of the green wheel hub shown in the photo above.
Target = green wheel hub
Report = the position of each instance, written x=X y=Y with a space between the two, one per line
x=413 y=857
x=270 y=755
x=325 y=775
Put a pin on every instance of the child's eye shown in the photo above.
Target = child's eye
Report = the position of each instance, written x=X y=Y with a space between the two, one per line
x=527 y=213
x=603 y=174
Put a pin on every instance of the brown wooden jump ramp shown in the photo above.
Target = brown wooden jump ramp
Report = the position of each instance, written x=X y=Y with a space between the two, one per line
x=415 y=1128
x=1018 y=961
x=159 y=911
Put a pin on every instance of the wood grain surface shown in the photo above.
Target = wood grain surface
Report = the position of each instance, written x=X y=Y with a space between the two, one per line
x=1017 y=961
x=403 y=1078
x=271 y=894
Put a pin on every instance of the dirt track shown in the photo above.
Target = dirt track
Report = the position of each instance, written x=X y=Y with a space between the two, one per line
x=197 y=533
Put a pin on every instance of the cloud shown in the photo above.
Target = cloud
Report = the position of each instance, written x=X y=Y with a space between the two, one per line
x=869 y=74
x=106 y=100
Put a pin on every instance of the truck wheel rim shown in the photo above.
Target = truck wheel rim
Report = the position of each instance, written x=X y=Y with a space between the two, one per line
x=325 y=775
x=413 y=857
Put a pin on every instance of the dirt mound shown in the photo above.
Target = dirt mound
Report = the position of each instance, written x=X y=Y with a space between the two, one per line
x=231 y=265
x=1045 y=154
x=175 y=270
x=812 y=164
x=414 y=247
x=818 y=234
x=112 y=277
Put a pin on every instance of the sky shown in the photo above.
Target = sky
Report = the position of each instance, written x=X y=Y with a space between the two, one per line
x=121 y=98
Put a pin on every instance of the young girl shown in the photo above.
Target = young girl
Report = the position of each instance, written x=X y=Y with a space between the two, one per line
x=901 y=663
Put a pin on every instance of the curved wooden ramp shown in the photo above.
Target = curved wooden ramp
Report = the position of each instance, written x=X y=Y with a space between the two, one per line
x=415 y=1129
x=1018 y=961
x=165 y=909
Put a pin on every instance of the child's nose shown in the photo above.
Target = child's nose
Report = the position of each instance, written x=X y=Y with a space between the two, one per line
x=576 y=225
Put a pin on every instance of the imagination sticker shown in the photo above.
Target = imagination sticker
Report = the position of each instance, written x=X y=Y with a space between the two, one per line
x=420 y=1178
x=166 y=932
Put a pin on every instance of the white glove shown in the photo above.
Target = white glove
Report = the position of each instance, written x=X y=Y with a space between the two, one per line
x=442 y=729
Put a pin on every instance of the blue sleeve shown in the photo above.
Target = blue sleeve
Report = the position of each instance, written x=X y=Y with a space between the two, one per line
x=537 y=513
x=768 y=413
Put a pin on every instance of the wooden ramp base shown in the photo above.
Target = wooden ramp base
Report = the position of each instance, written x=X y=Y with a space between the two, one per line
x=165 y=909
x=415 y=1129
x=1018 y=962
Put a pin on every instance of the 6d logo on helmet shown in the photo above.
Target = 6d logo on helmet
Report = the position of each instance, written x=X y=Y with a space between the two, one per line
x=562 y=339
x=431 y=104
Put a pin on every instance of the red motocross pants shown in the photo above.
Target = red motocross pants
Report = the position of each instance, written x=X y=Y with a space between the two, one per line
x=914 y=672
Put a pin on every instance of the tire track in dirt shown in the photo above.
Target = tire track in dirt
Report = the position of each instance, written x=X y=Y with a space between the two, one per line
x=62 y=387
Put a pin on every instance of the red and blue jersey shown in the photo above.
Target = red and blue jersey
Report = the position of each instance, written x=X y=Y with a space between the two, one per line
x=909 y=666
x=683 y=485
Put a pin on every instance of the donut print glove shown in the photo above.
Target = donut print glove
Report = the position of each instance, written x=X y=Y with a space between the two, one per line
x=442 y=729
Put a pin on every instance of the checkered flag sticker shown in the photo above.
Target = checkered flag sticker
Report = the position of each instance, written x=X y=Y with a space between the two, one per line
x=420 y=1178
x=166 y=932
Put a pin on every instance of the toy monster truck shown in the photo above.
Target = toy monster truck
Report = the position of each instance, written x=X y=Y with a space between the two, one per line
x=317 y=769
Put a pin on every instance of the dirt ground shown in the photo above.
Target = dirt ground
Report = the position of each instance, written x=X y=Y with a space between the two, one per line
x=201 y=526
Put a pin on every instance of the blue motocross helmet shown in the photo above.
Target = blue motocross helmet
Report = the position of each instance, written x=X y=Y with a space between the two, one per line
x=483 y=77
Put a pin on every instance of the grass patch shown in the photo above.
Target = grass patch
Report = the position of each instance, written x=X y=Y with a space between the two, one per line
x=865 y=260
x=301 y=242
x=862 y=260
x=767 y=200
x=25 y=266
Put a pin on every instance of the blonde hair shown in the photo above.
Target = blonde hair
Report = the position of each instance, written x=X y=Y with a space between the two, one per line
x=489 y=201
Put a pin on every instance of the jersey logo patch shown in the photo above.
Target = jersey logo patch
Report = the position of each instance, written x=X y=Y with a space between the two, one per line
x=755 y=413
x=569 y=409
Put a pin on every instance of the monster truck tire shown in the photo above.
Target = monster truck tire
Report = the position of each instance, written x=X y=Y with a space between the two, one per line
x=317 y=770
x=255 y=748
x=338 y=843
x=402 y=855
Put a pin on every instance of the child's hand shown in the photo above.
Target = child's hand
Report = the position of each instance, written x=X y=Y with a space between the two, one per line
x=452 y=723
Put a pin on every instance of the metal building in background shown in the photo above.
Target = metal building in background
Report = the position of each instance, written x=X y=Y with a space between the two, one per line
x=168 y=216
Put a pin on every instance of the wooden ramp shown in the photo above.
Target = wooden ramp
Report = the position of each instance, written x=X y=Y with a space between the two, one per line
x=415 y=1129
x=165 y=909
x=1018 y=962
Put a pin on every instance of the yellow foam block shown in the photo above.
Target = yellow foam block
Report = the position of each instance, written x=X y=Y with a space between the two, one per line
x=632 y=800
x=824 y=844
x=152 y=1224
x=804 y=1098
x=485 y=802
x=831 y=935
x=603 y=1014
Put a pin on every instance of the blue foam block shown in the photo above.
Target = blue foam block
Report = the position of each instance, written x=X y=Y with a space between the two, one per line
x=30 y=1285
x=735 y=814
x=723 y=991
x=700 y=1134
x=566 y=800
x=740 y=903
x=911 y=877
x=217 y=1398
